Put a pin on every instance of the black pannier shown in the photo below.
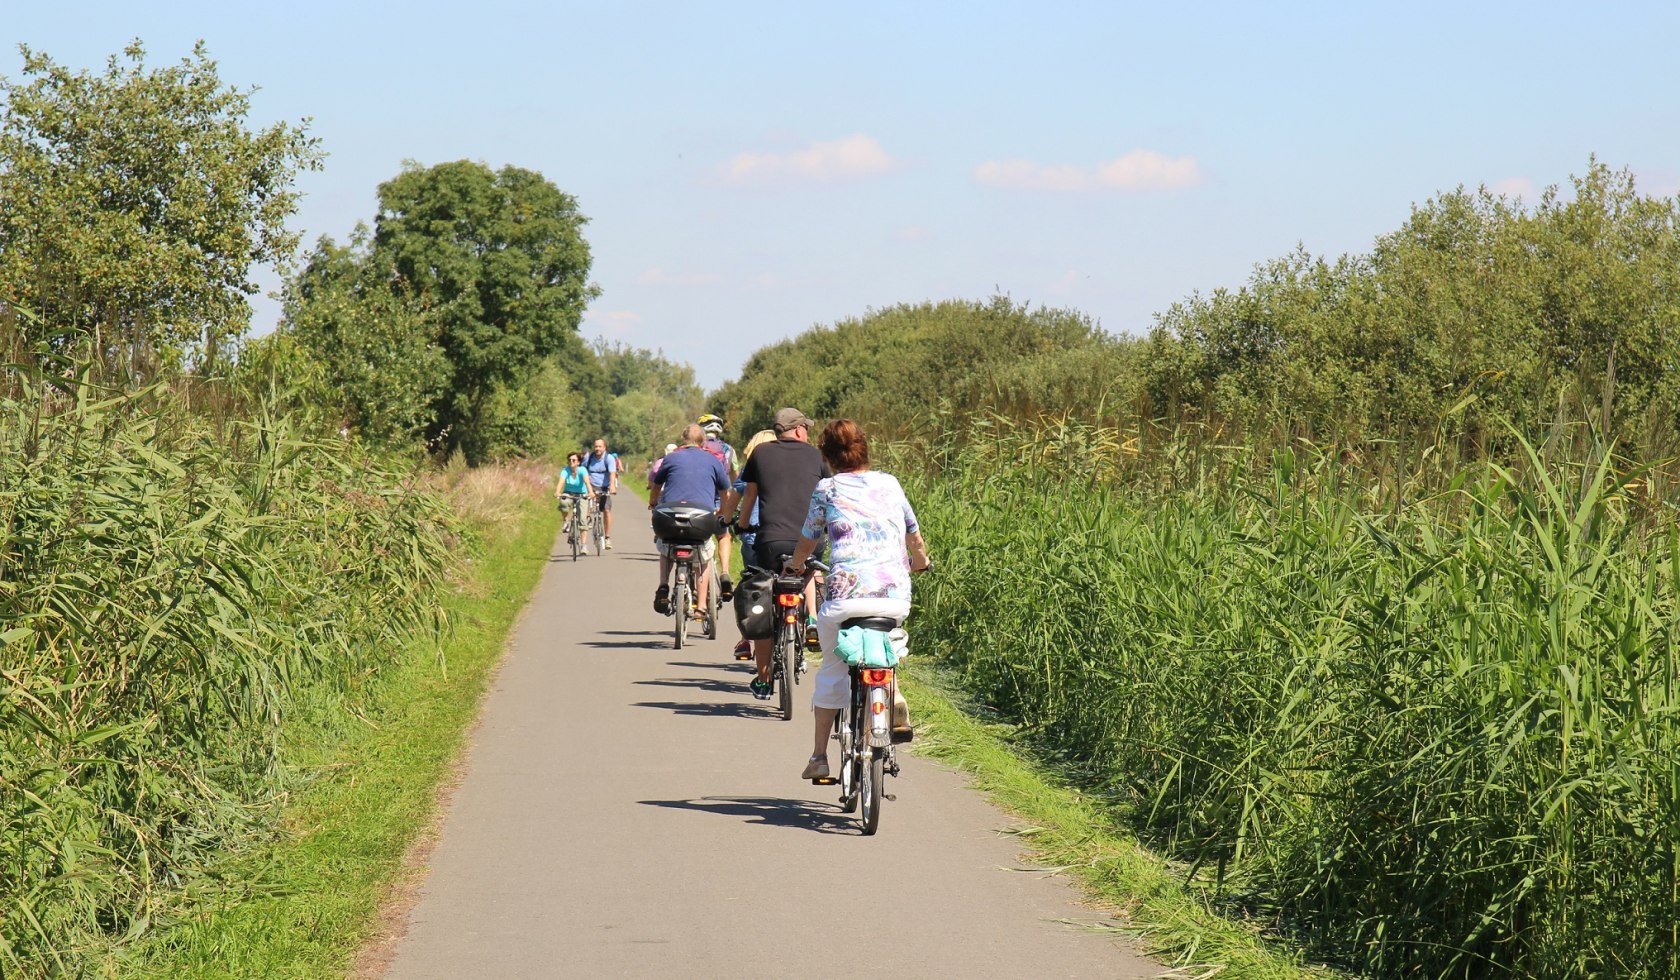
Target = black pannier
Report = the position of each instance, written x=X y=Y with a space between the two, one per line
x=684 y=523
x=755 y=605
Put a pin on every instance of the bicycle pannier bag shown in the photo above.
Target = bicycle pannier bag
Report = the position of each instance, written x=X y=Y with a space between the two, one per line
x=755 y=606
x=684 y=523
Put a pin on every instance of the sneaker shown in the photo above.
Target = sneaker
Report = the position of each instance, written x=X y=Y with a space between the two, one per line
x=607 y=543
x=743 y=650
x=567 y=529
x=760 y=689
x=662 y=601
x=726 y=588
x=815 y=768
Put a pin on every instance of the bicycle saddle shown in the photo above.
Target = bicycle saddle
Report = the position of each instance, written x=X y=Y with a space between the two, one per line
x=885 y=624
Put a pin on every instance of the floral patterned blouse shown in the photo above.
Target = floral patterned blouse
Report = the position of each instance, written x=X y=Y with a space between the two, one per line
x=866 y=517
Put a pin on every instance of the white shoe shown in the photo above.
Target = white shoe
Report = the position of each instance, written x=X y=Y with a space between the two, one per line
x=607 y=543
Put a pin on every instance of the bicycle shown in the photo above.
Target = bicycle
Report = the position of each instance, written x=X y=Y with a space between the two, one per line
x=787 y=647
x=574 y=526
x=597 y=523
x=683 y=530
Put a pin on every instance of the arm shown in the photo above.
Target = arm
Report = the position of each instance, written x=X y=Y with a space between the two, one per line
x=613 y=466
x=653 y=495
x=807 y=547
x=743 y=508
x=917 y=548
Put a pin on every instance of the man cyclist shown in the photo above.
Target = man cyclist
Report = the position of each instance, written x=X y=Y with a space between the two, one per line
x=688 y=476
x=780 y=476
x=603 y=468
x=712 y=425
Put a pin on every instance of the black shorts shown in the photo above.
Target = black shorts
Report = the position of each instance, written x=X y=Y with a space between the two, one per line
x=772 y=555
x=603 y=499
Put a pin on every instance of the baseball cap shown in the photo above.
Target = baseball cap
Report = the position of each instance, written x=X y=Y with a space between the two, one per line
x=792 y=418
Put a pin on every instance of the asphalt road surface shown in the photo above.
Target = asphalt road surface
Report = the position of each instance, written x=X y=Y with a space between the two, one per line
x=628 y=810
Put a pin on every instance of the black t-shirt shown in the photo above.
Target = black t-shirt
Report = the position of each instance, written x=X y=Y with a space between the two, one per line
x=786 y=472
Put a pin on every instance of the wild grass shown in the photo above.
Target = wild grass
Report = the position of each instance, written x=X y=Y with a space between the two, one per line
x=172 y=584
x=1428 y=730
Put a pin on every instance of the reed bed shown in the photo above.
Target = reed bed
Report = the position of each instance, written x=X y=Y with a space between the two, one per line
x=1433 y=738
x=172 y=585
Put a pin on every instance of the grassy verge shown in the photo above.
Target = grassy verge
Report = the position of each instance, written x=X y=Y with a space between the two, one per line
x=1082 y=836
x=302 y=904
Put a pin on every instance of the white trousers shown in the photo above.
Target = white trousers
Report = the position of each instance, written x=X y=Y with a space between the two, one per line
x=832 y=687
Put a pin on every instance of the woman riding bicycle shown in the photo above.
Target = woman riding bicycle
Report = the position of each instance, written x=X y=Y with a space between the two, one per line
x=875 y=543
x=574 y=484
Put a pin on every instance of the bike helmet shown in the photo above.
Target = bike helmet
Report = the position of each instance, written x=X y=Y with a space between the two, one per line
x=710 y=423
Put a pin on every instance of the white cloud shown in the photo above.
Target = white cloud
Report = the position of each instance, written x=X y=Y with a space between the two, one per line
x=1064 y=282
x=659 y=277
x=1514 y=187
x=913 y=233
x=853 y=156
x=1139 y=170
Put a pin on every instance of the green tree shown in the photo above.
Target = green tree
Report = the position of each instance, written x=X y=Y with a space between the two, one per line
x=376 y=347
x=134 y=202
x=499 y=258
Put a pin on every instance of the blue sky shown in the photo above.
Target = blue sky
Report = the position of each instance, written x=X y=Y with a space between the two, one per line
x=752 y=169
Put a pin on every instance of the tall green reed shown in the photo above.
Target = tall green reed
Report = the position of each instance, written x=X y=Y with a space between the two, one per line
x=171 y=585
x=1429 y=729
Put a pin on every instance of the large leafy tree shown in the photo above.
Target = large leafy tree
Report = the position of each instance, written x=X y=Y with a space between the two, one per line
x=134 y=203
x=499 y=260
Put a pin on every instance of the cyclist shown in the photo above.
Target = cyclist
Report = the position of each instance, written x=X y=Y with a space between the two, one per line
x=712 y=425
x=653 y=467
x=689 y=476
x=573 y=485
x=749 y=557
x=603 y=470
x=875 y=543
x=779 y=480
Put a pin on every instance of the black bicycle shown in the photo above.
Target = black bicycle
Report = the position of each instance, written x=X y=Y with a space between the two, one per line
x=683 y=529
x=575 y=526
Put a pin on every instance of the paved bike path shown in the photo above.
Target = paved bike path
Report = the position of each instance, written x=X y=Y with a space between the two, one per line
x=628 y=810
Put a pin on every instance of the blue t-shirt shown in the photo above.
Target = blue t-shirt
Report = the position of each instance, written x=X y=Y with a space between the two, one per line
x=691 y=475
x=576 y=481
x=601 y=469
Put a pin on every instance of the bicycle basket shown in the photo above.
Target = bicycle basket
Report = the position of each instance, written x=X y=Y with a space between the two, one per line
x=684 y=524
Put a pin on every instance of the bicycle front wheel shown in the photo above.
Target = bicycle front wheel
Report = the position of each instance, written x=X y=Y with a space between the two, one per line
x=598 y=531
x=713 y=604
x=573 y=531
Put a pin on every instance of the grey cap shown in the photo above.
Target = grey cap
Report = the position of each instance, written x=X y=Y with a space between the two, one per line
x=791 y=418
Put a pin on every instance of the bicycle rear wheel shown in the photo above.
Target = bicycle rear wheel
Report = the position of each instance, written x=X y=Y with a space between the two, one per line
x=679 y=609
x=785 y=652
x=869 y=791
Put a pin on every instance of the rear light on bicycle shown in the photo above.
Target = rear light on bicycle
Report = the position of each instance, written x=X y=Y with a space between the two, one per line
x=684 y=553
x=790 y=618
x=788 y=599
x=878 y=707
x=876 y=677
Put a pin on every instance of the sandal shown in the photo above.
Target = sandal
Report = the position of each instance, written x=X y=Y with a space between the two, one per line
x=662 y=600
x=816 y=768
x=726 y=588
x=743 y=650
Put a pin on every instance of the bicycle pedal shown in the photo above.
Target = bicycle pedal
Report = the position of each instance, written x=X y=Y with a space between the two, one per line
x=889 y=796
x=826 y=781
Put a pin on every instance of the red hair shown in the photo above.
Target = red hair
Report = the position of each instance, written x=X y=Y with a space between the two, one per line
x=844 y=445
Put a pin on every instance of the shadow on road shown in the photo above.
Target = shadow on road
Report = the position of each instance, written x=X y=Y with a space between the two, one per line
x=824 y=818
x=732 y=709
x=646 y=640
x=709 y=684
x=719 y=665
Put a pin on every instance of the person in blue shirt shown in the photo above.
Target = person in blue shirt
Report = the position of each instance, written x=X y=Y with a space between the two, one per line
x=572 y=485
x=603 y=480
x=692 y=476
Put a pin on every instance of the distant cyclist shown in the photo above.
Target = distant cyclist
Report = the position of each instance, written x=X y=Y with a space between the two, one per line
x=573 y=485
x=712 y=426
x=603 y=470
x=779 y=479
x=690 y=476
x=653 y=467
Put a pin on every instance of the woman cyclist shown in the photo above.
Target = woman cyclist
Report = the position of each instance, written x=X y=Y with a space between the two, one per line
x=573 y=483
x=875 y=543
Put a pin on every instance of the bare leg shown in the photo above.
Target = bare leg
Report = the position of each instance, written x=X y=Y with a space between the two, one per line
x=725 y=545
x=761 y=654
x=825 y=724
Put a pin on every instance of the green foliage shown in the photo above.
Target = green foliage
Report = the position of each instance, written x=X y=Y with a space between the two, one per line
x=376 y=349
x=133 y=203
x=171 y=583
x=652 y=400
x=499 y=259
x=1437 y=742
x=891 y=364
